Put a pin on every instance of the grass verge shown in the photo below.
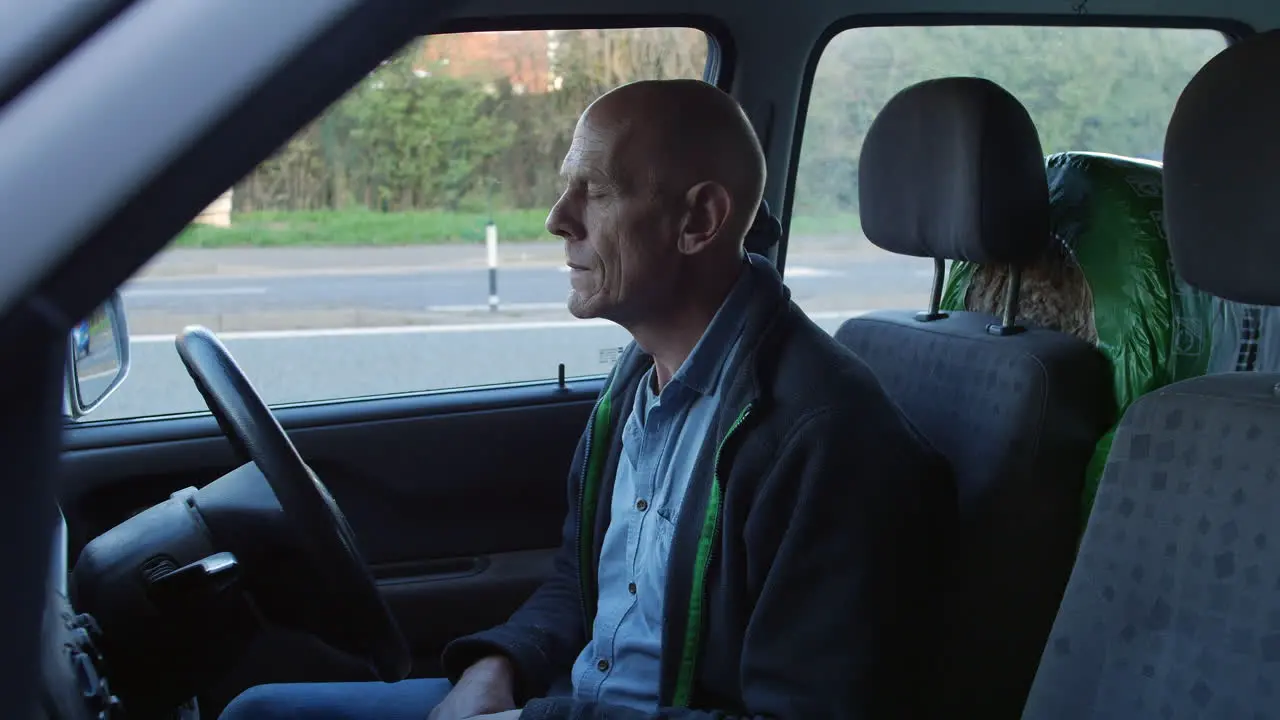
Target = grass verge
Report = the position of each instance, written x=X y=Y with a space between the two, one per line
x=367 y=228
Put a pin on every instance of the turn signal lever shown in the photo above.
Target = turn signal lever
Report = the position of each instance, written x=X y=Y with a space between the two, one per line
x=194 y=584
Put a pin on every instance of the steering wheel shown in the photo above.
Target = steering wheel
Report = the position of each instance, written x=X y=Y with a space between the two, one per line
x=307 y=504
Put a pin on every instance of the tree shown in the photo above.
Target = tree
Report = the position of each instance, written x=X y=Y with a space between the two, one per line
x=418 y=136
x=416 y=139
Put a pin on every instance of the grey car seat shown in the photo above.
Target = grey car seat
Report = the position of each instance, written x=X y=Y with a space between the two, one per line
x=952 y=169
x=1173 y=609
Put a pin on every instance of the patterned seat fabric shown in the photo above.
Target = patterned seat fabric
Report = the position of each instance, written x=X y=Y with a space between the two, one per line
x=1173 y=608
x=952 y=169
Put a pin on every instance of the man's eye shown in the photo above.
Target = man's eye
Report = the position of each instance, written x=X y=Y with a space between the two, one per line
x=575 y=187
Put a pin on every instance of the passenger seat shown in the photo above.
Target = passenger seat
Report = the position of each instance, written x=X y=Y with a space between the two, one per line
x=1173 y=609
x=952 y=169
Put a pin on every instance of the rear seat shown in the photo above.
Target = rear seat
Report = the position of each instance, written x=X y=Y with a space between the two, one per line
x=1108 y=279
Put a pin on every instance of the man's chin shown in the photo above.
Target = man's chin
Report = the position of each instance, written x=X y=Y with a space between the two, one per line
x=583 y=308
x=582 y=311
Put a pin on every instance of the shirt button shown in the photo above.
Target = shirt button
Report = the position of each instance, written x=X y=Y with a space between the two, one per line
x=603 y=665
x=641 y=505
x=631 y=588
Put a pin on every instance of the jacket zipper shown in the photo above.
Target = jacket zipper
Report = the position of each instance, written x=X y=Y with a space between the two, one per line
x=706 y=553
x=590 y=475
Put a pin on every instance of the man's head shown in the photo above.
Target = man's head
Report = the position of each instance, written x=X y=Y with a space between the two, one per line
x=662 y=181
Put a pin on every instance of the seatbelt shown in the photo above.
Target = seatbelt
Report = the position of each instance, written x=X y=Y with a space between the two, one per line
x=765 y=232
x=1250 y=334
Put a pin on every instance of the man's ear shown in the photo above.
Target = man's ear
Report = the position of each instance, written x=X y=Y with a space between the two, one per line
x=707 y=208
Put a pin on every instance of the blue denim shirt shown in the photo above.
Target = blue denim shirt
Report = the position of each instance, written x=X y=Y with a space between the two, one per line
x=660 y=443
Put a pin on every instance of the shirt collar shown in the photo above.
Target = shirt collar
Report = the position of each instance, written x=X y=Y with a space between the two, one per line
x=701 y=371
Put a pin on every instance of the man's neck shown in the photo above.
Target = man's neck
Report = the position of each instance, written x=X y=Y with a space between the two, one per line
x=671 y=339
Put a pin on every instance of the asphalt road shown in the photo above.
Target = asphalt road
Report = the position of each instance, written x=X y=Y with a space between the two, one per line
x=303 y=300
x=326 y=332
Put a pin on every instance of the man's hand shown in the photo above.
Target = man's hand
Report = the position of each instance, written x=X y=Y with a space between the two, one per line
x=486 y=687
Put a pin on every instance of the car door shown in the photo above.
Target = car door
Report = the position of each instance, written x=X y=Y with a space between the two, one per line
x=386 y=283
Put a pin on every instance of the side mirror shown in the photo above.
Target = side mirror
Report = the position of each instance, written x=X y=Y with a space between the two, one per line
x=97 y=357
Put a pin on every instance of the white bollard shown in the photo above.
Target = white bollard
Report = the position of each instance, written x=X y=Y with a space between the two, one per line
x=491 y=244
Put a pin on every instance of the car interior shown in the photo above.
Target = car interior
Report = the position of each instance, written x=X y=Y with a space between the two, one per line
x=1079 y=359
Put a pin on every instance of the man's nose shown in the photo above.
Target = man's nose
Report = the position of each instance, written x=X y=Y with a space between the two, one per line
x=558 y=221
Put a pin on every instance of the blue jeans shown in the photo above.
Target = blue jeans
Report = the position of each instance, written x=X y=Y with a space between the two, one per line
x=404 y=700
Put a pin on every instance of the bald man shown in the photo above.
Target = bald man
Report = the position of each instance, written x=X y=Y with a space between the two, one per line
x=754 y=528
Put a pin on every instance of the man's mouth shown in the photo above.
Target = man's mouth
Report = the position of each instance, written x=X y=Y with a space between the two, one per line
x=575 y=267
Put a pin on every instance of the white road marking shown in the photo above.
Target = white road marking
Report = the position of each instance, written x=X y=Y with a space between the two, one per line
x=389 y=330
x=199 y=292
x=434 y=329
x=102 y=374
x=792 y=272
x=504 y=306
x=165 y=275
x=802 y=271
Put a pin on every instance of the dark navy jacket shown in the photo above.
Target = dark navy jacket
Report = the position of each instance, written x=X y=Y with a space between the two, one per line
x=806 y=574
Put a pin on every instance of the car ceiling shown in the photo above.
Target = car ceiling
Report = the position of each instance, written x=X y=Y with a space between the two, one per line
x=811 y=15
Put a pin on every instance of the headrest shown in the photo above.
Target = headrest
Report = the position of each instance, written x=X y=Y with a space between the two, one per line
x=765 y=232
x=952 y=169
x=1222 y=174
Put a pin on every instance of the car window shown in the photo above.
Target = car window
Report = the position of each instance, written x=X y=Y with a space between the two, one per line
x=1087 y=88
x=396 y=244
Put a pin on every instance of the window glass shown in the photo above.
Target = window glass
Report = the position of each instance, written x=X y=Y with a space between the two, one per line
x=1087 y=88
x=354 y=261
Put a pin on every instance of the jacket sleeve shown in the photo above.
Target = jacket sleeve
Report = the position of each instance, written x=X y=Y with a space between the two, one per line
x=846 y=537
x=544 y=636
